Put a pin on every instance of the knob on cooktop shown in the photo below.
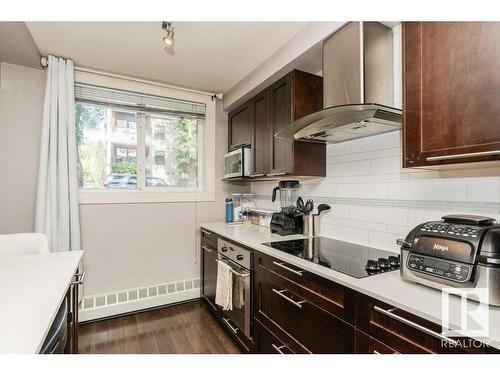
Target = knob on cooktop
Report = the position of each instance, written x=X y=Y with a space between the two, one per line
x=394 y=261
x=372 y=266
x=383 y=263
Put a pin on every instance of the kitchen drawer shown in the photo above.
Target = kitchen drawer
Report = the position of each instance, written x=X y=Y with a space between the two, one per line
x=368 y=345
x=209 y=237
x=313 y=327
x=405 y=332
x=330 y=296
x=268 y=343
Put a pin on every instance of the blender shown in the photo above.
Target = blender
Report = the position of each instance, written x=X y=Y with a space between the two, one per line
x=288 y=220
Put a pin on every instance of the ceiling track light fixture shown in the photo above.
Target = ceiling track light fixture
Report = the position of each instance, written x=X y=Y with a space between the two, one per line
x=169 y=29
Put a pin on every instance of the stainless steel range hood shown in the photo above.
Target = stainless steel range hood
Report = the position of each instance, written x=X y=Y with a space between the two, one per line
x=358 y=84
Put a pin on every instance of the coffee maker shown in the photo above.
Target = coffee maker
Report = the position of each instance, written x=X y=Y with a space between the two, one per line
x=288 y=220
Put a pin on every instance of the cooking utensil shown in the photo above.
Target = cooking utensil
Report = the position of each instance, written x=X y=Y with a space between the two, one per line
x=309 y=206
x=300 y=204
x=323 y=207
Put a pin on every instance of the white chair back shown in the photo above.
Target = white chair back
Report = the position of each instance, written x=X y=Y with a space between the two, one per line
x=23 y=244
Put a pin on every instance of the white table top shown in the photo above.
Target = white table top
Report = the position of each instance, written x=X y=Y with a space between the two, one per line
x=387 y=287
x=32 y=288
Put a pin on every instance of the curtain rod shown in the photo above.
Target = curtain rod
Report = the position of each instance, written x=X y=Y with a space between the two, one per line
x=44 y=62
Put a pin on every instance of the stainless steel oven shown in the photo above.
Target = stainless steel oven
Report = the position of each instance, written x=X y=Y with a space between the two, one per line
x=238 y=163
x=239 y=259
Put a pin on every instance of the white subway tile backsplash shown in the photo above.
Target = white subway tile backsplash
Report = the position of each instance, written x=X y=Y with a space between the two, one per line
x=387 y=165
x=369 y=191
x=353 y=168
x=360 y=156
x=442 y=190
x=395 y=216
x=375 y=201
x=479 y=188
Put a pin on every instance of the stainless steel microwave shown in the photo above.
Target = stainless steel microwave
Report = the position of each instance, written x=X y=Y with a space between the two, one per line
x=238 y=163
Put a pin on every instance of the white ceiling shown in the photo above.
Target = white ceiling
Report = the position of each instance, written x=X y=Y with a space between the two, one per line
x=211 y=56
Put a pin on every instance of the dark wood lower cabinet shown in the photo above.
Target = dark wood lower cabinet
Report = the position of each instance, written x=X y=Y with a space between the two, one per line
x=315 y=329
x=368 y=345
x=299 y=312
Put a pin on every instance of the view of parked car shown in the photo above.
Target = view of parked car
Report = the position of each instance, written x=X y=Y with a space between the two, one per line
x=129 y=181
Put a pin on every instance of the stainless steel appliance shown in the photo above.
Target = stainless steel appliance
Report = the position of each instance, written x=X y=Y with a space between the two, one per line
x=288 y=220
x=358 y=87
x=239 y=259
x=351 y=259
x=238 y=163
x=461 y=251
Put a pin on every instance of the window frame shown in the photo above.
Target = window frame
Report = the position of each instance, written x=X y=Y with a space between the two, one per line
x=206 y=150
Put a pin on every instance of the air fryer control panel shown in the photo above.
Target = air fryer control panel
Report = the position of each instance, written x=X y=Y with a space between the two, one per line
x=455 y=230
x=453 y=271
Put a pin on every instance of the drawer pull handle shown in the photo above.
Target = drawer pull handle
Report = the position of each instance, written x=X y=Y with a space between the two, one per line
x=235 y=330
x=278 y=348
x=466 y=155
x=376 y=352
x=428 y=331
x=282 y=265
x=206 y=249
x=280 y=293
x=206 y=232
x=276 y=174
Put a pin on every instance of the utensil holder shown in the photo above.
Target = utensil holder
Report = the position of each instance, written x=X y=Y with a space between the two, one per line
x=308 y=228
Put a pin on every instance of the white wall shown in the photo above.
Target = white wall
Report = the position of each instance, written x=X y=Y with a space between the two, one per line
x=375 y=201
x=21 y=102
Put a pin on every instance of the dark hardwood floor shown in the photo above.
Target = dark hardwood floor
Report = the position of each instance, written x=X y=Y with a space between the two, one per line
x=182 y=329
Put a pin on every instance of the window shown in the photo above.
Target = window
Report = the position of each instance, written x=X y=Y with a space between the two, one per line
x=138 y=142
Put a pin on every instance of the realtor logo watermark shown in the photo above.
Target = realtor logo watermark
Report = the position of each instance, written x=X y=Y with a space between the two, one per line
x=462 y=318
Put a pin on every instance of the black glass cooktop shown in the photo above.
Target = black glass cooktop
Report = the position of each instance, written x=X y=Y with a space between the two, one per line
x=353 y=260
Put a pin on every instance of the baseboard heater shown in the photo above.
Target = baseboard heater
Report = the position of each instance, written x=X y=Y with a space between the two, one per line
x=125 y=301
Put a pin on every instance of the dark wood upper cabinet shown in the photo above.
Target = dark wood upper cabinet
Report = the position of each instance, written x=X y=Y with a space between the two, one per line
x=260 y=120
x=295 y=95
x=240 y=127
x=280 y=116
x=451 y=92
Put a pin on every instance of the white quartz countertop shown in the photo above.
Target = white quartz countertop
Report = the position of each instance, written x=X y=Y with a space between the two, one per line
x=387 y=287
x=32 y=288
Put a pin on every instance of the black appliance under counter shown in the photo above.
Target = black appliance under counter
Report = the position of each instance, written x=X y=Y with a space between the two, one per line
x=351 y=259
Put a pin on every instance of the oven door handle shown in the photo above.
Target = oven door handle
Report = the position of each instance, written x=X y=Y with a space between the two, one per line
x=235 y=272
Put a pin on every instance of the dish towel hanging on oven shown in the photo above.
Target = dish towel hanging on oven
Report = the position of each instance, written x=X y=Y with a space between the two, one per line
x=224 y=291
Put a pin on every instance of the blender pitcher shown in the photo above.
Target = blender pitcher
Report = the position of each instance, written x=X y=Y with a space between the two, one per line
x=289 y=191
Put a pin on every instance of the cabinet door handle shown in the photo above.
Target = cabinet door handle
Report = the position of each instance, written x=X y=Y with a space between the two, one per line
x=375 y=352
x=206 y=248
x=276 y=174
x=235 y=330
x=278 y=348
x=280 y=293
x=206 y=232
x=282 y=265
x=466 y=155
x=256 y=175
x=418 y=327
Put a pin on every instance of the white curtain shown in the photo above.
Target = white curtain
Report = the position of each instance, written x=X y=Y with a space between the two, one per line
x=56 y=212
